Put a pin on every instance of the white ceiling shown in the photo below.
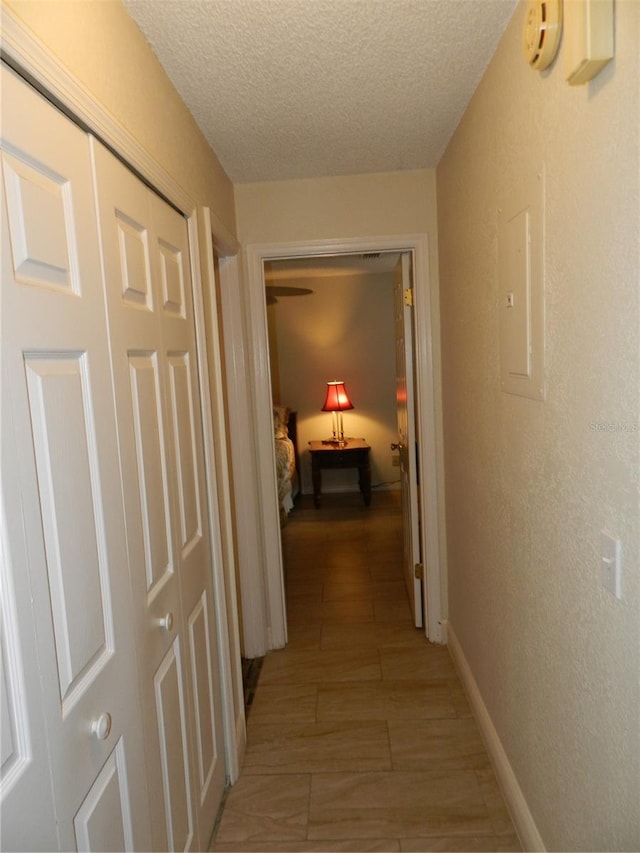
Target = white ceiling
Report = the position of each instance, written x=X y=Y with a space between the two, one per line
x=309 y=88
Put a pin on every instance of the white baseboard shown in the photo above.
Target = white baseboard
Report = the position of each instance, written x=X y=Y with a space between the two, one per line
x=444 y=632
x=523 y=821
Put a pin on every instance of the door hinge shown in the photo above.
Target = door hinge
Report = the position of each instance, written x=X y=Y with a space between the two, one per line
x=408 y=297
x=418 y=571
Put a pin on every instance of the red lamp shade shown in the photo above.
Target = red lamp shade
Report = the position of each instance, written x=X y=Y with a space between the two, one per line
x=337 y=398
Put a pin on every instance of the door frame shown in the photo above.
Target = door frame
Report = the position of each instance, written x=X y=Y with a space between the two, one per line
x=217 y=455
x=425 y=384
x=26 y=54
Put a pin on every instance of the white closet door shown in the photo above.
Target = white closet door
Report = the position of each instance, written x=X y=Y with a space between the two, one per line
x=147 y=272
x=192 y=531
x=70 y=625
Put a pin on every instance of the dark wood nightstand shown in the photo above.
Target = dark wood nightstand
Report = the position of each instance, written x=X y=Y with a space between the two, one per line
x=354 y=454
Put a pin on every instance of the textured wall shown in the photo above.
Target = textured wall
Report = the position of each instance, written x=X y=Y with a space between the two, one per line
x=102 y=47
x=328 y=208
x=530 y=485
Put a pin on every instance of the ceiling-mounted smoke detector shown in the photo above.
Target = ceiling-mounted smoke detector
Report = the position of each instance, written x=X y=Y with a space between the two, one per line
x=542 y=29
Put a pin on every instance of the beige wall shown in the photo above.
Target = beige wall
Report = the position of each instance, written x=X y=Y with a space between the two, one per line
x=530 y=485
x=328 y=208
x=104 y=50
x=343 y=330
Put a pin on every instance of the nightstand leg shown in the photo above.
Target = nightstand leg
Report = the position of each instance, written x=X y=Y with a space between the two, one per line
x=365 y=482
x=316 y=477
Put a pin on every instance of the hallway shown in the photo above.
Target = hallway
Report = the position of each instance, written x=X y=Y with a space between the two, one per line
x=360 y=737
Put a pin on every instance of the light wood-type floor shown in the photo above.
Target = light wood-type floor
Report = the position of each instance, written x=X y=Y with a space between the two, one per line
x=360 y=737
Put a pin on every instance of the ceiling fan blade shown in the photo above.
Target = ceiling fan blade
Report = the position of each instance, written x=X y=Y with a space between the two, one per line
x=280 y=290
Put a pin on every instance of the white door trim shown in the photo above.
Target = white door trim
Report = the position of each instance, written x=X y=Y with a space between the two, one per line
x=425 y=385
x=218 y=495
x=27 y=54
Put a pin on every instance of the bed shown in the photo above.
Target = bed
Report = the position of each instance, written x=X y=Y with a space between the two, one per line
x=285 y=441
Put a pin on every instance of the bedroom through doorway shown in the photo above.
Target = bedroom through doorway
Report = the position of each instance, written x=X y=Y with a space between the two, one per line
x=335 y=318
x=268 y=610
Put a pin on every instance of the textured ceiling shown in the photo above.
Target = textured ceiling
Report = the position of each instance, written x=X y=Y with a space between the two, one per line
x=308 y=88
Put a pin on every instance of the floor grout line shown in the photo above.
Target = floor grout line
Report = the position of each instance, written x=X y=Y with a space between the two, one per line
x=393 y=748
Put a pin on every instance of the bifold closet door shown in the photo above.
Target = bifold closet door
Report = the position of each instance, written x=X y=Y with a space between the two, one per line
x=72 y=758
x=145 y=254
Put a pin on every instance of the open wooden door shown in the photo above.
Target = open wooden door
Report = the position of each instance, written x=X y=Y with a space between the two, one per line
x=406 y=444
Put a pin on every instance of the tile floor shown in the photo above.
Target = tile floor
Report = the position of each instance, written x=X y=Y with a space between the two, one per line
x=360 y=737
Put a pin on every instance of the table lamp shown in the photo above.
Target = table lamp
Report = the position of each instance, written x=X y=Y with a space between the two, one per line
x=337 y=402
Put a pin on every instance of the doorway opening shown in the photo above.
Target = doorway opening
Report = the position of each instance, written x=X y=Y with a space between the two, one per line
x=257 y=256
x=347 y=342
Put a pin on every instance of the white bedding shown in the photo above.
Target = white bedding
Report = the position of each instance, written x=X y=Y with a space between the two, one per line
x=285 y=470
x=285 y=459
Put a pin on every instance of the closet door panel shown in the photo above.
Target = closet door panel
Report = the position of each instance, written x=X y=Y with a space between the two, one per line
x=61 y=488
x=133 y=250
x=152 y=471
x=146 y=262
x=24 y=771
x=67 y=465
x=139 y=370
x=41 y=257
x=103 y=821
x=153 y=353
x=194 y=554
x=202 y=675
x=171 y=709
x=171 y=268
x=185 y=452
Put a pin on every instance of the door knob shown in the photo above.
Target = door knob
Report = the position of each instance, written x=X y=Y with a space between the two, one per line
x=395 y=447
x=166 y=622
x=101 y=726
